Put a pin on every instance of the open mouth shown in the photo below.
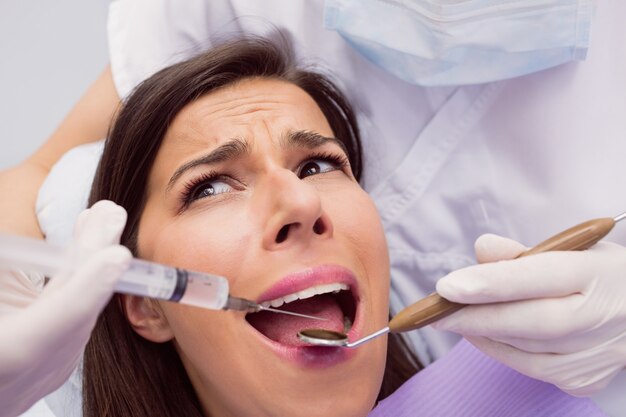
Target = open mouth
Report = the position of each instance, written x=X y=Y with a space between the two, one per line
x=335 y=302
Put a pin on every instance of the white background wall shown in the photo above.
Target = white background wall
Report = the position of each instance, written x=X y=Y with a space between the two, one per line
x=50 y=52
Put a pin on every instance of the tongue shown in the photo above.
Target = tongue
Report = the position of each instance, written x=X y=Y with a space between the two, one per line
x=283 y=328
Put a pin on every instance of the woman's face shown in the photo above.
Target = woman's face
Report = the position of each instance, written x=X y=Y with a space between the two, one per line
x=250 y=184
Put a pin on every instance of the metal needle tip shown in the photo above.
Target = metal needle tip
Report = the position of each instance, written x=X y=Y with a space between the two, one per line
x=291 y=313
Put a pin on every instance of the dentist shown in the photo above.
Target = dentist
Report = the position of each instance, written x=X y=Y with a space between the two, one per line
x=44 y=331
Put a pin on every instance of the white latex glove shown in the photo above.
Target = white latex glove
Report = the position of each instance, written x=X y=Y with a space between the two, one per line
x=561 y=317
x=43 y=336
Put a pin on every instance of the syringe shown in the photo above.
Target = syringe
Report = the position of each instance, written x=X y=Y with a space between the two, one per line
x=142 y=278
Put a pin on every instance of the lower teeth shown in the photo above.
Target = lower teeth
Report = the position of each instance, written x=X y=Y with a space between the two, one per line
x=347 y=324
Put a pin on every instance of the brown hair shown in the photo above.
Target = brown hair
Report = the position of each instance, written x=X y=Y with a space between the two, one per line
x=125 y=374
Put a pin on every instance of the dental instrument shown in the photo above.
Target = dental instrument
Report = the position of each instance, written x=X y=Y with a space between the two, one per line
x=434 y=307
x=142 y=278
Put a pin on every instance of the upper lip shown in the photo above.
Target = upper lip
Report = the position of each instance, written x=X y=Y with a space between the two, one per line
x=298 y=281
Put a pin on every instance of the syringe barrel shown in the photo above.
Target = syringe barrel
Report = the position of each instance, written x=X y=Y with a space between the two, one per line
x=154 y=280
x=142 y=278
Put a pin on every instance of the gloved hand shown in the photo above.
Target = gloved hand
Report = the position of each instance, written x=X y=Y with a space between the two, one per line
x=43 y=336
x=560 y=317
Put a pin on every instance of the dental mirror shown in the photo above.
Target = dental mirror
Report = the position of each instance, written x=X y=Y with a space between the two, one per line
x=435 y=307
x=331 y=338
x=422 y=313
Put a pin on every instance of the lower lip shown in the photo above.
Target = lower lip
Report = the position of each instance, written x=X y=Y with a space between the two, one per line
x=318 y=356
x=310 y=356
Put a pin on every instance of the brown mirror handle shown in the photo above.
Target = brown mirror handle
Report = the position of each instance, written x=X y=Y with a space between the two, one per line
x=579 y=237
x=435 y=307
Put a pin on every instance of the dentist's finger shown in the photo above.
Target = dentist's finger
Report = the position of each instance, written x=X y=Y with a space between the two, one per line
x=575 y=342
x=540 y=319
x=548 y=367
x=492 y=248
x=99 y=226
x=552 y=274
x=84 y=295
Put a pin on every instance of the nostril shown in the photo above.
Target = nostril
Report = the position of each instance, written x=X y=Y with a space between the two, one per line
x=319 y=227
x=282 y=234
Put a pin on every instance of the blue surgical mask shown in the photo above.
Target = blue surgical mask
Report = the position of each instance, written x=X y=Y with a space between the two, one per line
x=456 y=42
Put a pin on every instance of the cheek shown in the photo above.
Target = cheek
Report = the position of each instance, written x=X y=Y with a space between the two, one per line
x=357 y=219
x=200 y=337
x=196 y=241
x=357 y=222
x=193 y=328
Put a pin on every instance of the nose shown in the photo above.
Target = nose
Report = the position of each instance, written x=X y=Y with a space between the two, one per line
x=295 y=215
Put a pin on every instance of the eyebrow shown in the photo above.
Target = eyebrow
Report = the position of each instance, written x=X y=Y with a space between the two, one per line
x=309 y=140
x=238 y=147
x=233 y=149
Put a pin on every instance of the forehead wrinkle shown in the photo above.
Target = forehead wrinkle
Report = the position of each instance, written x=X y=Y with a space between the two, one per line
x=260 y=106
x=193 y=127
x=239 y=100
x=224 y=107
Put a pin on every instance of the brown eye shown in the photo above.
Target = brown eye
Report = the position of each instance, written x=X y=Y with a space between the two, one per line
x=210 y=188
x=316 y=166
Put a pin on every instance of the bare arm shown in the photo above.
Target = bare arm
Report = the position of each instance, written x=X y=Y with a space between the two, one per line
x=87 y=122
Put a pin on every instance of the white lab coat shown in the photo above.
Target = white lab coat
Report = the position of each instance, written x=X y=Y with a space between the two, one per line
x=523 y=158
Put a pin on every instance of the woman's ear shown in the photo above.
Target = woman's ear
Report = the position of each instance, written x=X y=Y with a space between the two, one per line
x=147 y=319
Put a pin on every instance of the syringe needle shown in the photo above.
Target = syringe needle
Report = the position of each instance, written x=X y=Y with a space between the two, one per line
x=241 y=304
x=291 y=313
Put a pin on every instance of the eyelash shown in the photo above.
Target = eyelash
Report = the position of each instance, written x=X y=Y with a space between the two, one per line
x=340 y=161
x=192 y=186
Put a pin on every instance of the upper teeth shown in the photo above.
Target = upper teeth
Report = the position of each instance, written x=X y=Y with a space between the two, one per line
x=308 y=293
